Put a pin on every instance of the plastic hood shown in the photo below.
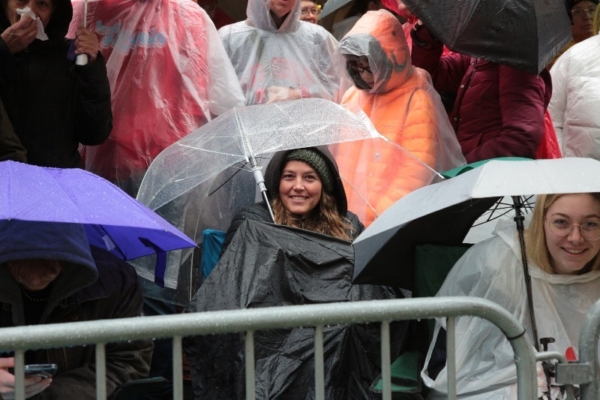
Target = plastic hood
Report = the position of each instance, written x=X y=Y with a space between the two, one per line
x=259 y=16
x=379 y=36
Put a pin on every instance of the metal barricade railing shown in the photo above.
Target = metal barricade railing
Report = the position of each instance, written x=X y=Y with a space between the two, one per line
x=585 y=372
x=20 y=339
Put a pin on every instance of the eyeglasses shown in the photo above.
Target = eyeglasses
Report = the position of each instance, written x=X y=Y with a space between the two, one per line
x=579 y=12
x=589 y=230
x=313 y=11
x=359 y=69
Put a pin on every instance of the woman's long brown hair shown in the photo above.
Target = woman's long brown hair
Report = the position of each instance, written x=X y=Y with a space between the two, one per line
x=324 y=218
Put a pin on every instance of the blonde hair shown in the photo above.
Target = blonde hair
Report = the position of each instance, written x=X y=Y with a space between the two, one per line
x=535 y=235
x=324 y=218
x=597 y=20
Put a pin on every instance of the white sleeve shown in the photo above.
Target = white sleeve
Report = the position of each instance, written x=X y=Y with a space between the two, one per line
x=558 y=103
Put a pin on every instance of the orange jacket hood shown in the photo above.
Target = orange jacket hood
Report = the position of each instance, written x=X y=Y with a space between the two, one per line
x=379 y=36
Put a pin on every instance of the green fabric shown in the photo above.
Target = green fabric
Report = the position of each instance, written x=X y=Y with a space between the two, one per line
x=459 y=170
x=432 y=265
x=405 y=374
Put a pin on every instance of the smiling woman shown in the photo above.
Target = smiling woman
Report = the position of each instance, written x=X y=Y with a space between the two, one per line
x=306 y=192
x=563 y=245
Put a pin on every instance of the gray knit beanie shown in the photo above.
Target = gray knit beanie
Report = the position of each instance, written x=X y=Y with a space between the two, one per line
x=317 y=162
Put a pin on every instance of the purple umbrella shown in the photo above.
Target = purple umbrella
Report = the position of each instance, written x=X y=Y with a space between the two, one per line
x=113 y=220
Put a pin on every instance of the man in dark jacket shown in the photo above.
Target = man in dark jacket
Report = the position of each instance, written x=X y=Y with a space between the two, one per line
x=10 y=145
x=52 y=103
x=499 y=110
x=49 y=274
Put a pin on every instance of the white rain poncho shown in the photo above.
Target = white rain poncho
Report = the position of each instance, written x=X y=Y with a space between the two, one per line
x=575 y=103
x=168 y=73
x=403 y=106
x=492 y=270
x=294 y=61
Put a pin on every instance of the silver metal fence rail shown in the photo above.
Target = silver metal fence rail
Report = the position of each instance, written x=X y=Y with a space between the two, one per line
x=20 y=339
x=585 y=372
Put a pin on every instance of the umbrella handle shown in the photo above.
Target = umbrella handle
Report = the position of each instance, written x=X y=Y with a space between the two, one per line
x=82 y=59
x=260 y=181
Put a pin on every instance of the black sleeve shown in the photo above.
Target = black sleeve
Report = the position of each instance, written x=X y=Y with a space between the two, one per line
x=93 y=113
x=233 y=227
x=10 y=145
x=357 y=226
x=256 y=212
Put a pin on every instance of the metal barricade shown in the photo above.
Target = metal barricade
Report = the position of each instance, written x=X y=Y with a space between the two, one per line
x=585 y=372
x=20 y=339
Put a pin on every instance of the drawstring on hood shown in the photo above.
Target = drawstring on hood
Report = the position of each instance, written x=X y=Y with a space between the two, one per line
x=259 y=16
x=379 y=36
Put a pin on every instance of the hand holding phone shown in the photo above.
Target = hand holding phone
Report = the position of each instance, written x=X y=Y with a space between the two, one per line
x=33 y=384
x=43 y=370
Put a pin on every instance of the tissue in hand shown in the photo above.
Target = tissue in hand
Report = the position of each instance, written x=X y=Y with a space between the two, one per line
x=41 y=34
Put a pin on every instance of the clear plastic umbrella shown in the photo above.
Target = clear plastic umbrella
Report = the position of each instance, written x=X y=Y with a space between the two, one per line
x=205 y=178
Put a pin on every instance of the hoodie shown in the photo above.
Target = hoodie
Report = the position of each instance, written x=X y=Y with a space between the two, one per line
x=403 y=107
x=293 y=61
x=53 y=104
x=92 y=285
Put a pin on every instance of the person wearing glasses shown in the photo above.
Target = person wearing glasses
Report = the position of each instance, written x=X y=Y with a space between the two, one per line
x=562 y=243
x=576 y=99
x=402 y=105
x=581 y=14
x=309 y=11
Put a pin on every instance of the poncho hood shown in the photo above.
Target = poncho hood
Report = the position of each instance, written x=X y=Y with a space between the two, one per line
x=379 y=36
x=259 y=16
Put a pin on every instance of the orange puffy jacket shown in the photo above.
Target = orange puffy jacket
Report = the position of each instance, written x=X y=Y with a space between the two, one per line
x=404 y=108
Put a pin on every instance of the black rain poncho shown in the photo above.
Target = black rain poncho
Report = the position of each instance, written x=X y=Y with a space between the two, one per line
x=268 y=265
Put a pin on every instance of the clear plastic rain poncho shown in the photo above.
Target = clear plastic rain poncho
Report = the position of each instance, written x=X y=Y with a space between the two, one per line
x=294 y=61
x=493 y=270
x=168 y=74
x=204 y=179
x=575 y=103
x=402 y=105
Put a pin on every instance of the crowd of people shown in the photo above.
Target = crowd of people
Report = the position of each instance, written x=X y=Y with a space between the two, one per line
x=159 y=70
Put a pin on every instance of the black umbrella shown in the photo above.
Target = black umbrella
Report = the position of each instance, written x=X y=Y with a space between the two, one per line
x=525 y=34
x=269 y=265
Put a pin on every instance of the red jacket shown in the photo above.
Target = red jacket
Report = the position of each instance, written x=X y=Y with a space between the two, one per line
x=499 y=110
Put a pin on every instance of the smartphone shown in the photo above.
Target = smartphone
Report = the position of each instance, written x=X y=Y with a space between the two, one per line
x=43 y=370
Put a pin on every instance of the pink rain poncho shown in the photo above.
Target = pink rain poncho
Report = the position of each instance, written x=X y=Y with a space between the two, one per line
x=294 y=61
x=168 y=74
